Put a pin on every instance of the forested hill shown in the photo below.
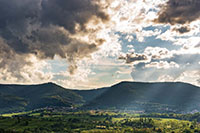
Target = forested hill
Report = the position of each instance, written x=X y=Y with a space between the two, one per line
x=89 y=95
x=27 y=97
x=14 y=98
x=149 y=97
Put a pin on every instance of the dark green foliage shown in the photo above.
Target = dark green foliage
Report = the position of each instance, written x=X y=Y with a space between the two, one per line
x=142 y=122
x=89 y=95
x=94 y=121
x=167 y=97
x=195 y=118
x=15 y=98
x=149 y=97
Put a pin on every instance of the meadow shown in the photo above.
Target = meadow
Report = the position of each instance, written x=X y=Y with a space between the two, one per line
x=46 y=121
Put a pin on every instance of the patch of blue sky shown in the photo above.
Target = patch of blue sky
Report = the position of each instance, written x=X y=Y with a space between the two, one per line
x=104 y=68
x=153 y=10
x=108 y=71
x=60 y=77
x=56 y=65
x=185 y=59
x=151 y=41
x=163 y=28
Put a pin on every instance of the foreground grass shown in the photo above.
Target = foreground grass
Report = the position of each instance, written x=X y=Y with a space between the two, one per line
x=93 y=122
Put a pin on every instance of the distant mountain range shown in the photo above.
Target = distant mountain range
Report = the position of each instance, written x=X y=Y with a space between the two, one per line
x=132 y=96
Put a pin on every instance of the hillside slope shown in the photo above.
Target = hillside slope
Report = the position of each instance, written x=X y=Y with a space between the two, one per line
x=89 y=95
x=149 y=97
x=27 y=97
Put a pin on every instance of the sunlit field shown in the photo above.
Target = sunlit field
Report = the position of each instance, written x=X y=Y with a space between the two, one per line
x=98 y=121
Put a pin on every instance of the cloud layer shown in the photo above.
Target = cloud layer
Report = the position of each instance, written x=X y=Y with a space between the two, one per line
x=45 y=28
x=180 y=12
x=40 y=39
x=133 y=58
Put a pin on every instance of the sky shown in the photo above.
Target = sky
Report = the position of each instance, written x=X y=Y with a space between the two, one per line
x=86 y=44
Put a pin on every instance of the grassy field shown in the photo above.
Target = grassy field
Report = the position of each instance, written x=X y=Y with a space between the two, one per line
x=14 y=114
x=92 y=122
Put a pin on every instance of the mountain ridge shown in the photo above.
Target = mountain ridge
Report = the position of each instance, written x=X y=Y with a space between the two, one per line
x=128 y=95
x=139 y=95
x=36 y=96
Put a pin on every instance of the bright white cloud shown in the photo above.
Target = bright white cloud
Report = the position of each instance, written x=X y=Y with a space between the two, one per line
x=162 y=65
x=27 y=71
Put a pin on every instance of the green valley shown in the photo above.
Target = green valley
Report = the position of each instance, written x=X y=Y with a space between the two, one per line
x=45 y=121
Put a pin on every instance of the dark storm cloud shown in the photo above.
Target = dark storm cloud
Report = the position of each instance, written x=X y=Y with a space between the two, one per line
x=133 y=57
x=67 y=13
x=182 y=30
x=45 y=27
x=179 y=12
